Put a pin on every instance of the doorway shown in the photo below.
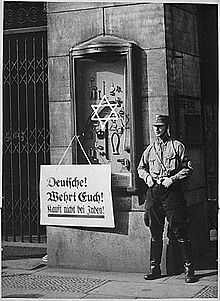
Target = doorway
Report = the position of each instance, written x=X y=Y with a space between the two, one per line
x=25 y=119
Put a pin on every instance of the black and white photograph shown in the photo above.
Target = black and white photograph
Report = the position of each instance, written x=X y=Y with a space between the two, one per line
x=109 y=150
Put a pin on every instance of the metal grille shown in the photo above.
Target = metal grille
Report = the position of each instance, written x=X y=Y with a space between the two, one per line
x=210 y=291
x=52 y=283
x=25 y=132
x=18 y=14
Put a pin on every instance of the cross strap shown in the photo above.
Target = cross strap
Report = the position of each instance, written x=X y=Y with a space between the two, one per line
x=177 y=155
x=158 y=157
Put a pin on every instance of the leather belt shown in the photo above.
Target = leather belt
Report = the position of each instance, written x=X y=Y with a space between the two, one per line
x=159 y=181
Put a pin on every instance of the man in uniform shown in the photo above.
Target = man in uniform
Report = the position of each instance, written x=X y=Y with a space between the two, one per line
x=164 y=167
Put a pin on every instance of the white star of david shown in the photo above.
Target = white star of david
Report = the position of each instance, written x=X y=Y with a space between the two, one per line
x=106 y=109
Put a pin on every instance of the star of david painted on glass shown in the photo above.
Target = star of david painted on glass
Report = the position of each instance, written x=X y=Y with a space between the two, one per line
x=104 y=112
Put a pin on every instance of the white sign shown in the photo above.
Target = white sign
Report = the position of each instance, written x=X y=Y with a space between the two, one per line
x=76 y=195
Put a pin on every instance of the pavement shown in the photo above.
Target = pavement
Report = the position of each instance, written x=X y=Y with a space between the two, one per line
x=31 y=278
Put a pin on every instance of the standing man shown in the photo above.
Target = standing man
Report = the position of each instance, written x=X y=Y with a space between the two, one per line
x=164 y=167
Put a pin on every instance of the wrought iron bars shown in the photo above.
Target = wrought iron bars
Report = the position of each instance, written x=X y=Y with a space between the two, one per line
x=26 y=133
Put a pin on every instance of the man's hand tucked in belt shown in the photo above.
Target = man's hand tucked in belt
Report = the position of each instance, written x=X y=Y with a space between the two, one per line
x=167 y=182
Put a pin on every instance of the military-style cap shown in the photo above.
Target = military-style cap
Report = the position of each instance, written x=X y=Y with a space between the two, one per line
x=161 y=120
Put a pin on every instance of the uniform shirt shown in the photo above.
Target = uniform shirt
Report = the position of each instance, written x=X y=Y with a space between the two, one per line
x=164 y=158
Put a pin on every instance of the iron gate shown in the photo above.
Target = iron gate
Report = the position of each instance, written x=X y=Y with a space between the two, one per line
x=25 y=133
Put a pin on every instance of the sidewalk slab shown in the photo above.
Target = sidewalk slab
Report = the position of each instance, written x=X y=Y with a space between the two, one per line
x=116 y=289
x=116 y=276
x=204 y=277
x=39 y=294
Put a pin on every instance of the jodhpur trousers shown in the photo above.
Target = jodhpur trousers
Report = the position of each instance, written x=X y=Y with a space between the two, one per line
x=168 y=203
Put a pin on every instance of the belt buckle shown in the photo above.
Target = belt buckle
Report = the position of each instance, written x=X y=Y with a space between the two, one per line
x=158 y=181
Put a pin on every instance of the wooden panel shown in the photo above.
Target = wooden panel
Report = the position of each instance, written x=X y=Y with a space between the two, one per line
x=181 y=30
x=198 y=177
x=59 y=81
x=191 y=75
x=53 y=7
x=191 y=8
x=143 y=23
x=183 y=74
x=195 y=196
x=157 y=72
x=70 y=28
x=175 y=72
x=60 y=123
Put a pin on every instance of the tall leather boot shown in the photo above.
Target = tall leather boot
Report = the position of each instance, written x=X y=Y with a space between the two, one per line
x=174 y=262
x=155 y=259
x=187 y=258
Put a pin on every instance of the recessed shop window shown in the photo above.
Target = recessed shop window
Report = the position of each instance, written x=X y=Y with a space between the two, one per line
x=103 y=106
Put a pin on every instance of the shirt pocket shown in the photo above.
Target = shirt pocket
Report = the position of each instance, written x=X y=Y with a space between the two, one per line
x=171 y=162
x=154 y=166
